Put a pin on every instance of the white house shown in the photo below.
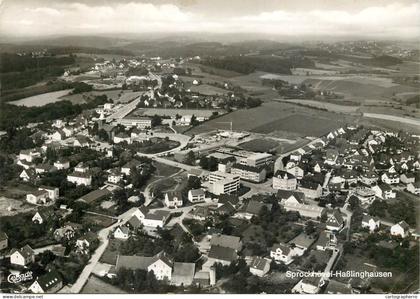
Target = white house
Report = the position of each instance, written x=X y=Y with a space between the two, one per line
x=196 y=195
x=115 y=176
x=384 y=191
x=62 y=164
x=401 y=229
x=23 y=256
x=370 y=222
x=414 y=188
x=390 y=178
x=335 y=221
x=282 y=253
x=80 y=178
x=38 y=197
x=81 y=167
x=310 y=189
x=295 y=170
x=122 y=232
x=162 y=268
x=173 y=200
x=29 y=155
x=53 y=192
x=58 y=135
x=48 y=283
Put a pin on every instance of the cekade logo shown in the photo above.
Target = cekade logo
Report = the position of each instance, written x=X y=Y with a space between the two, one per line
x=16 y=278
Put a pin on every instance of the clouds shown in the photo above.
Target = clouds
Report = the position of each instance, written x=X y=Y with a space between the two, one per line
x=388 y=21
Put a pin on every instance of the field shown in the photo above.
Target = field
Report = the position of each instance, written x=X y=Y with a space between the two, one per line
x=281 y=119
x=42 y=99
x=111 y=94
x=208 y=89
x=111 y=252
x=260 y=145
x=325 y=105
x=97 y=286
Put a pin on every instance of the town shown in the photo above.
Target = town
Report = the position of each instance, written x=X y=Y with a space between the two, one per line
x=149 y=174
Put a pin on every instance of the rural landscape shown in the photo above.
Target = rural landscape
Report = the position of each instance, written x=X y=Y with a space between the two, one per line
x=208 y=163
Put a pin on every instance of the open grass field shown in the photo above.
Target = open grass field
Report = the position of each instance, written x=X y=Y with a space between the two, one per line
x=260 y=145
x=112 y=250
x=208 y=90
x=284 y=120
x=326 y=105
x=97 y=286
x=42 y=99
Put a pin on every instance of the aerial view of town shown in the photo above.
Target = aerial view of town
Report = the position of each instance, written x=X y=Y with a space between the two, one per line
x=174 y=159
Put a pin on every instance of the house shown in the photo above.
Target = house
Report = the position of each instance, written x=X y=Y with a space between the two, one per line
x=331 y=156
x=115 y=176
x=407 y=178
x=370 y=222
x=219 y=254
x=25 y=164
x=368 y=178
x=390 y=178
x=249 y=173
x=156 y=218
x=335 y=221
x=43 y=215
x=259 y=266
x=294 y=170
x=309 y=285
x=183 y=274
x=414 y=188
x=384 y=191
x=85 y=242
x=173 y=199
x=58 y=135
x=66 y=232
x=62 y=164
x=122 y=232
x=304 y=210
x=80 y=178
x=301 y=243
x=48 y=283
x=141 y=212
x=252 y=208
x=200 y=213
x=28 y=175
x=283 y=180
x=401 y=229
x=196 y=195
x=326 y=240
x=282 y=253
x=122 y=137
x=133 y=164
x=82 y=141
x=44 y=168
x=53 y=192
x=310 y=189
x=23 y=256
x=290 y=197
x=365 y=195
x=81 y=167
x=4 y=241
x=30 y=154
x=38 y=197
x=160 y=264
x=226 y=241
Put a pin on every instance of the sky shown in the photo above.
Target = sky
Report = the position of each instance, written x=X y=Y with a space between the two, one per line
x=386 y=19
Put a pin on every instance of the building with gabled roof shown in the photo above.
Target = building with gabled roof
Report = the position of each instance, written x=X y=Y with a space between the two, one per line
x=283 y=180
x=23 y=256
x=48 y=283
x=259 y=266
x=335 y=221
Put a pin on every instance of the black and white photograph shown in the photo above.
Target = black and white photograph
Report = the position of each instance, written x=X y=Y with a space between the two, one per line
x=209 y=147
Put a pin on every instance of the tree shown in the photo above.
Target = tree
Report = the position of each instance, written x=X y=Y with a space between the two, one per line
x=213 y=163
x=309 y=227
x=204 y=162
x=193 y=182
x=190 y=158
x=156 y=120
x=194 y=122
x=354 y=202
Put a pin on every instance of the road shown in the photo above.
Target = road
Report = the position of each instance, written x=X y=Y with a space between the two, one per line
x=330 y=263
x=103 y=239
x=405 y=120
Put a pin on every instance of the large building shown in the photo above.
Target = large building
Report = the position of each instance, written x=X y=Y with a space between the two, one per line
x=249 y=173
x=223 y=183
x=257 y=159
x=140 y=122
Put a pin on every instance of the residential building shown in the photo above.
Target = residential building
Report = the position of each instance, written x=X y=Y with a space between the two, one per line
x=115 y=176
x=4 y=241
x=62 y=164
x=414 y=188
x=196 y=195
x=390 y=178
x=283 y=180
x=48 y=283
x=335 y=221
x=219 y=254
x=311 y=189
x=370 y=222
x=29 y=155
x=365 y=195
x=80 y=178
x=259 y=266
x=23 y=256
x=53 y=192
x=282 y=253
x=401 y=229
x=384 y=191
x=369 y=178
x=407 y=178
x=122 y=233
x=326 y=240
x=38 y=197
x=173 y=200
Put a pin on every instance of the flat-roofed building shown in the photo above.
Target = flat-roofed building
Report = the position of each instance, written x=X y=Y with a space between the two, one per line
x=223 y=183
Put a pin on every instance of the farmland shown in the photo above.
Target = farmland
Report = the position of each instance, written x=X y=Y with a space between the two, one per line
x=42 y=99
